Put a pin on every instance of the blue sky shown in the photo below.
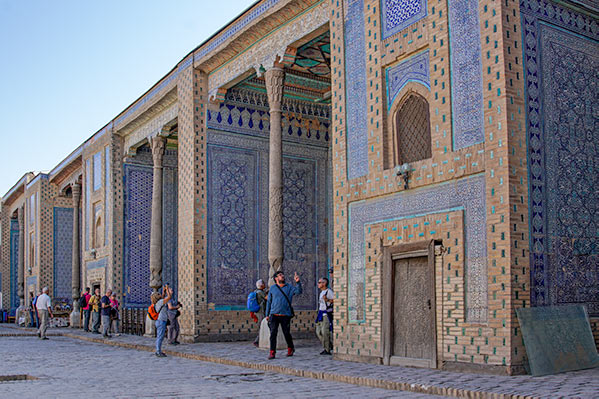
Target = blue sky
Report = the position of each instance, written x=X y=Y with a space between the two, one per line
x=68 y=67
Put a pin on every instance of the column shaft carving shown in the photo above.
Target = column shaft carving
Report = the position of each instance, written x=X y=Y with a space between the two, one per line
x=275 y=80
x=21 y=258
x=76 y=266
x=158 y=144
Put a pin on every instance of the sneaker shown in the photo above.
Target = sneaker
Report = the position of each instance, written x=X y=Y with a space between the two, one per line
x=290 y=352
x=107 y=336
x=44 y=338
x=160 y=354
x=272 y=355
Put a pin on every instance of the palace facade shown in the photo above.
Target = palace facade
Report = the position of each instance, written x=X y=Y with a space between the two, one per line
x=437 y=159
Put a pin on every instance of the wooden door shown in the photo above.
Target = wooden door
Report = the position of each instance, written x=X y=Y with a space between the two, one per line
x=413 y=313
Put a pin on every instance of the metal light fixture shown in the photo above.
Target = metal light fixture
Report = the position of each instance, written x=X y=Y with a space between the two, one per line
x=403 y=171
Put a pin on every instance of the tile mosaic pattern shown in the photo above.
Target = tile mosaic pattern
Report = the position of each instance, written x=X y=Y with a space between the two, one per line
x=31 y=281
x=97 y=171
x=399 y=14
x=246 y=112
x=14 y=263
x=138 y=181
x=170 y=226
x=63 y=254
x=138 y=215
x=97 y=264
x=561 y=59
x=232 y=224
x=467 y=194
x=466 y=73
x=304 y=224
x=88 y=206
x=107 y=222
x=355 y=88
x=414 y=69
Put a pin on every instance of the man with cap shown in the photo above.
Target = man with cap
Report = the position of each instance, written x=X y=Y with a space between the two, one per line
x=279 y=310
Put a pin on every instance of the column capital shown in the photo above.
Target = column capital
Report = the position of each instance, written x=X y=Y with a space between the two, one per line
x=157 y=144
x=274 y=79
x=21 y=217
x=76 y=192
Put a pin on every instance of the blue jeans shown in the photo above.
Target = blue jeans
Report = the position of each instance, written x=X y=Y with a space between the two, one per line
x=160 y=330
x=35 y=322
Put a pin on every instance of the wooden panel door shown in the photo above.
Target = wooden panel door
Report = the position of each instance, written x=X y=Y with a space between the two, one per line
x=413 y=313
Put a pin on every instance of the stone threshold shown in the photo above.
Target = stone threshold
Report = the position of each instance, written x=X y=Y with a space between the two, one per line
x=298 y=372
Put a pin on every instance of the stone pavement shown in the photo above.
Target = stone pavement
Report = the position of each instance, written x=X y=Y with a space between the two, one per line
x=66 y=368
x=307 y=363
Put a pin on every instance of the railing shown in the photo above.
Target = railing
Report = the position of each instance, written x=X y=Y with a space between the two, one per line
x=133 y=320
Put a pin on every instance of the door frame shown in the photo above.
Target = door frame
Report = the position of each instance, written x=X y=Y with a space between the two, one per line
x=391 y=254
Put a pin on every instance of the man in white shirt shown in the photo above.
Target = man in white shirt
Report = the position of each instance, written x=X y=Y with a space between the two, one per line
x=324 y=320
x=44 y=309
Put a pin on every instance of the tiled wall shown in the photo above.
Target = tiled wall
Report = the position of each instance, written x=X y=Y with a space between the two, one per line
x=137 y=198
x=63 y=254
x=415 y=46
x=238 y=217
x=562 y=57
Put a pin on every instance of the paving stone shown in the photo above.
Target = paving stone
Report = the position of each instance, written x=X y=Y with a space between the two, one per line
x=308 y=362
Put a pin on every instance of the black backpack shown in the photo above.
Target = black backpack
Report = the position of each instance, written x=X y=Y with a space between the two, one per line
x=82 y=302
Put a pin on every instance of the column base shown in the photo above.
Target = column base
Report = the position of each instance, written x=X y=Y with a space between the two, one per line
x=75 y=319
x=264 y=342
x=150 y=328
x=23 y=314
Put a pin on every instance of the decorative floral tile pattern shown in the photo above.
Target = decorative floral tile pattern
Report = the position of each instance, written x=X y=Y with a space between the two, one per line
x=14 y=263
x=414 y=69
x=304 y=217
x=466 y=73
x=63 y=254
x=467 y=194
x=399 y=14
x=355 y=89
x=561 y=63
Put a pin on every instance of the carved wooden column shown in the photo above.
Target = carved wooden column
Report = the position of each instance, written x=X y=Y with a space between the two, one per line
x=275 y=82
x=157 y=143
x=21 y=258
x=76 y=267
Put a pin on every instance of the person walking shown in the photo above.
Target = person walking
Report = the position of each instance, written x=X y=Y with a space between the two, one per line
x=279 y=310
x=33 y=312
x=324 y=319
x=159 y=301
x=106 y=307
x=86 y=309
x=94 y=304
x=173 y=328
x=261 y=299
x=114 y=315
x=44 y=310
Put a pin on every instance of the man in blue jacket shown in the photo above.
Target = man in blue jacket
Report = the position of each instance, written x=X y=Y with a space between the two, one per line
x=279 y=310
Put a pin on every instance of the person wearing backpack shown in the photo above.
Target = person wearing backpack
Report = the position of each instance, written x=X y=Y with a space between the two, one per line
x=324 y=319
x=158 y=311
x=84 y=306
x=257 y=305
x=279 y=310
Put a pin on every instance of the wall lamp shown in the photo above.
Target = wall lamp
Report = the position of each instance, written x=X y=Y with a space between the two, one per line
x=403 y=171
